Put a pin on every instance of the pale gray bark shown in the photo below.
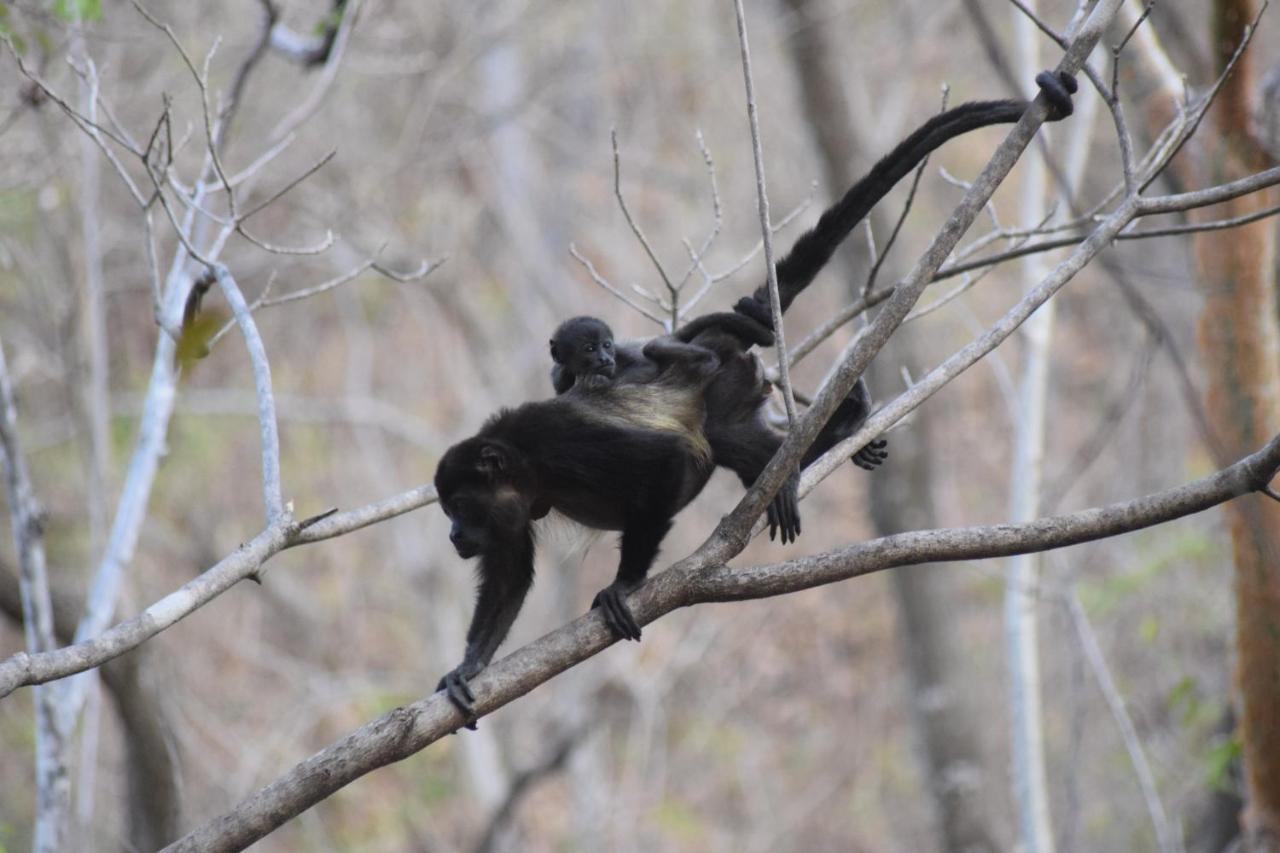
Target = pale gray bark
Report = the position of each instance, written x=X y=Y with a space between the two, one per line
x=26 y=517
x=406 y=730
x=942 y=711
x=153 y=789
x=1021 y=616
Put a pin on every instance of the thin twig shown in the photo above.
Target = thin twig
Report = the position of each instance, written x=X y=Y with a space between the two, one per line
x=91 y=128
x=766 y=230
x=712 y=279
x=1206 y=101
x=1166 y=834
x=1114 y=413
x=311 y=170
x=635 y=227
x=318 y=249
x=262 y=160
x=607 y=285
x=426 y=268
x=1040 y=23
x=201 y=78
x=902 y=215
x=695 y=258
x=307 y=107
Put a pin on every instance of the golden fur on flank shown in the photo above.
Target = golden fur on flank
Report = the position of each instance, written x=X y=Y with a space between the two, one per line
x=665 y=405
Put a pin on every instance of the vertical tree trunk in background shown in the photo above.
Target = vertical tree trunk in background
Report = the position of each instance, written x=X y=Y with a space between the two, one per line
x=942 y=712
x=1022 y=573
x=1238 y=340
x=153 y=795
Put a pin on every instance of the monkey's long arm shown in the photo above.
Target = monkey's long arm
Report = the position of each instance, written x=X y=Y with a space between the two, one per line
x=506 y=573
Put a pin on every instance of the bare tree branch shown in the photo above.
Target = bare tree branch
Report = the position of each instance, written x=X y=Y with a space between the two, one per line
x=1167 y=835
x=272 y=497
x=732 y=533
x=23 y=669
x=53 y=784
x=408 y=729
x=762 y=206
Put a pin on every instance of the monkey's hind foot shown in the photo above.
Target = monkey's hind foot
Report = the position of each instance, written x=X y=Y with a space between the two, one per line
x=870 y=457
x=762 y=313
x=1058 y=89
x=455 y=687
x=612 y=601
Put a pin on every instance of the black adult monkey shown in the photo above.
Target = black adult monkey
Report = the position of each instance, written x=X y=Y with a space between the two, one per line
x=815 y=247
x=612 y=456
x=740 y=437
x=573 y=452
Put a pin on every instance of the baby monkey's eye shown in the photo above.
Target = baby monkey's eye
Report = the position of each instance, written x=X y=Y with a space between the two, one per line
x=607 y=345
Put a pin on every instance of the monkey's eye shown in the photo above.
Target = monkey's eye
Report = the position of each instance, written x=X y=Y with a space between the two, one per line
x=590 y=348
x=607 y=345
x=466 y=512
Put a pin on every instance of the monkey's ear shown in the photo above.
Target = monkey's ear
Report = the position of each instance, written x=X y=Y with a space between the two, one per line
x=493 y=460
x=555 y=356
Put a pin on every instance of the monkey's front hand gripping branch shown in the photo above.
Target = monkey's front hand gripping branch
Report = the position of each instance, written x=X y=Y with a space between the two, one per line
x=455 y=687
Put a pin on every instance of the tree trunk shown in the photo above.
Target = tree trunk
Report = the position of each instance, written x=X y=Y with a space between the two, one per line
x=942 y=712
x=1238 y=340
x=153 y=794
x=1022 y=573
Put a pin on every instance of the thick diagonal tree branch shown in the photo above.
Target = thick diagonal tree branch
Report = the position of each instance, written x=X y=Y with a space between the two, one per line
x=247 y=561
x=731 y=535
x=408 y=729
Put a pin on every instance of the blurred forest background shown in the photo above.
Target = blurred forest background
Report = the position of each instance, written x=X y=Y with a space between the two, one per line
x=480 y=132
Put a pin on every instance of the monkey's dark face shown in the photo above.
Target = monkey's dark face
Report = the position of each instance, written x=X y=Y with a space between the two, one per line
x=476 y=482
x=584 y=346
x=469 y=517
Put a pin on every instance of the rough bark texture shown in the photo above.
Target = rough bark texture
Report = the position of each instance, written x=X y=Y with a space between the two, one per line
x=407 y=729
x=943 y=717
x=1238 y=339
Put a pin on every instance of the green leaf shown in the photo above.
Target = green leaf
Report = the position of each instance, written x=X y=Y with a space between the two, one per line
x=1183 y=696
x=1218 y=761
x=6 y=32
x=78 y=10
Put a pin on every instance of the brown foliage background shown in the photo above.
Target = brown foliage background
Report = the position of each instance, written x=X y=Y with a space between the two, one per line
x=480 y=131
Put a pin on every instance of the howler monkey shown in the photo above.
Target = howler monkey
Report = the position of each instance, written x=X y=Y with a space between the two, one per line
x=740 y=437
x=625 y=456
x=595 y=455
x=611 y=456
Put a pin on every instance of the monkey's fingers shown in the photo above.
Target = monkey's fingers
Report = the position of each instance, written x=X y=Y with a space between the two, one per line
x=459 y=693
x=617 y=615
x=789 y=521
x=786 y=508
x=751 y=307
x=872 y=456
